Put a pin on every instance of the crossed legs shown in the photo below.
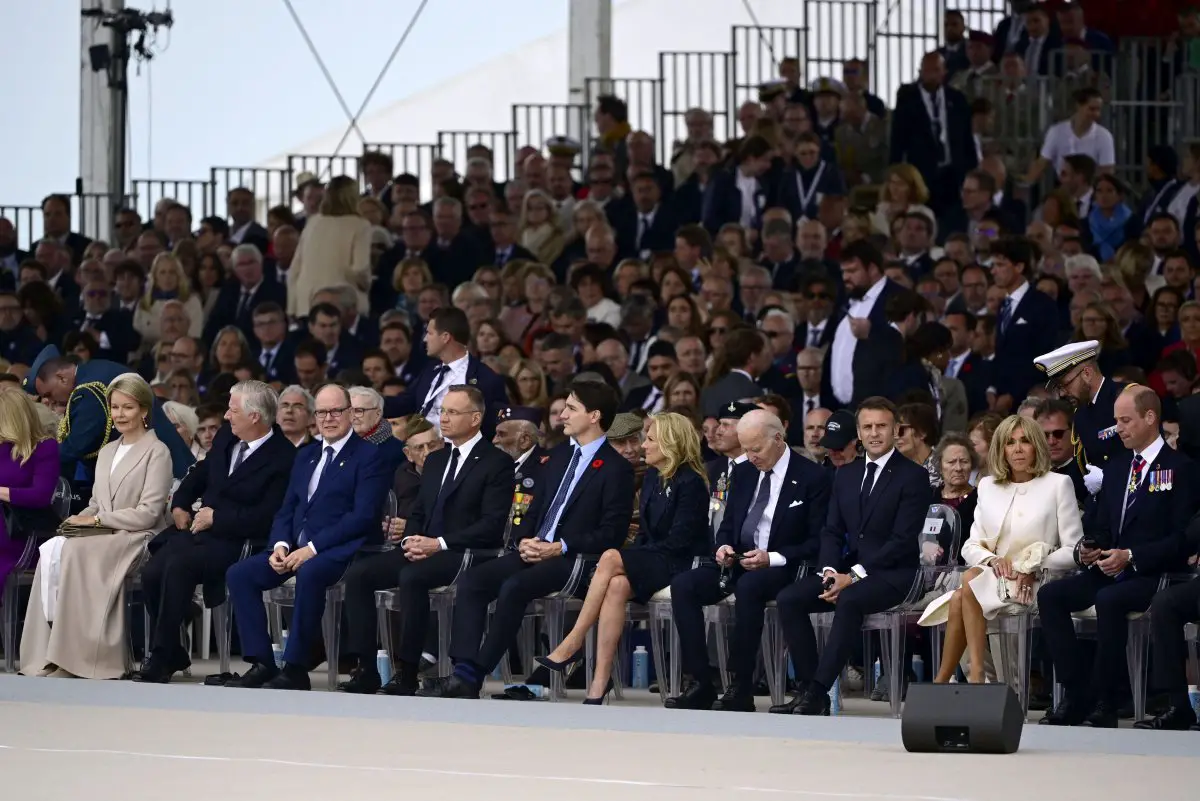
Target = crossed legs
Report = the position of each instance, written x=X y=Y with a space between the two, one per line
x=604 y=605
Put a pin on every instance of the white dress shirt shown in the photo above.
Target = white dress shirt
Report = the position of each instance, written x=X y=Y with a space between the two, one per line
x=815 y=332
x=749 y=188
x=762 y=534
x=457 y=375
x=464 y=452
x=249 y=448
x=316 y=478
x=845 y=344
x=1148 y=455
x=881 y=463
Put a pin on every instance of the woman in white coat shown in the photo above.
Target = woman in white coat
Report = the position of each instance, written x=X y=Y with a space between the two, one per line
x=128 y=506
x=1026 y=521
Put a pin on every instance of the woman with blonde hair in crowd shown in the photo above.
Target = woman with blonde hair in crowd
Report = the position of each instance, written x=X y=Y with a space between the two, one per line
x=28 y=475
x=408 y=279
x=903 y=191
x=539 y=231
x=673 y=531
x=531 y=384
x=1026 y=521
x=167 y=282
x=335 y=248
x=75 y=623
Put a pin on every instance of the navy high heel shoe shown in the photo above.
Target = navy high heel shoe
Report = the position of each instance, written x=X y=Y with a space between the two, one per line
x=559 y=667
x=602 y=699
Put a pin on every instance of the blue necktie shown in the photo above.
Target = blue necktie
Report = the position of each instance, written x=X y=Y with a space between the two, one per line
x=560 y=497
x=755 y=513
x=433 y=388
x=1006 y=310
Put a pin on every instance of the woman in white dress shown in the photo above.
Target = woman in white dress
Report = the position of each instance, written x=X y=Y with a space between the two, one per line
x=79 y=585
x=1026 y=521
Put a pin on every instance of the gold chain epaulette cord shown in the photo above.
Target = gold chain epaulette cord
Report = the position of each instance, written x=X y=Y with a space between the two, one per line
x=99 y=391
x=1080 y=454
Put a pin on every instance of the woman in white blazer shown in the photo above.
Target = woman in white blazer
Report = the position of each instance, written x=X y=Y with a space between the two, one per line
x=335 y=248
x=1026 y=521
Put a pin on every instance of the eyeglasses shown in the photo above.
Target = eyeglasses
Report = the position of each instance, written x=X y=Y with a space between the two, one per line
x=444 y=412
x=777 y=334
x=717 y=330
x=428 y=447
x=332 y=414
x=359 y=411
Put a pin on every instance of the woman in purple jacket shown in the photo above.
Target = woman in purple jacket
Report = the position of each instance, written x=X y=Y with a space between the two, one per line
x=28 y=471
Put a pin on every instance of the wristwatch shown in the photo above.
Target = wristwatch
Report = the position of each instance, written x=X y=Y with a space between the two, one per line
x=97 y=521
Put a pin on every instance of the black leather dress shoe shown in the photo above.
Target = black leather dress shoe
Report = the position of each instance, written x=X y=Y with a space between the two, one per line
x=159 y=669
x=1194 y=727
x=1176 y=718
x=1104 y=716
x=362 y=681
x=1070 y=711
x=737 y=698
x=398 y=685
x=255 y=677
x=695 y=695
x=788 y=707
x=448 y=687
x=290 y=678
x=812 y=703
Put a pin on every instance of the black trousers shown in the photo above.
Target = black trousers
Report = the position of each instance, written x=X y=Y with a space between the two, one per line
x=169 y=581
x=512 y=584
x=693 y=590
x=873 y=594
x=1113 y=600
x=412 y=581
x=1171 y=610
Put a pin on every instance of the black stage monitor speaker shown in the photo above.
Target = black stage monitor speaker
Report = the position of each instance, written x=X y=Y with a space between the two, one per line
x=971 y=718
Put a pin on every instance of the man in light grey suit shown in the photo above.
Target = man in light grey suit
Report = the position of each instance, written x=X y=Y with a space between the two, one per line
x=615 y=355
x=745 y=355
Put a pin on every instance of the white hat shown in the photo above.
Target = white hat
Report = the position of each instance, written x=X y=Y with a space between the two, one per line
x=563 y=146
x=1057 y=362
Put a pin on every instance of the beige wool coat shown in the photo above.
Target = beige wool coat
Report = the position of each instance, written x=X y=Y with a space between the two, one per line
x=89 y=637
x=332 y=251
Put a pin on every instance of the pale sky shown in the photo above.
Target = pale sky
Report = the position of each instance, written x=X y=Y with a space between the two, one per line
x=236 y=84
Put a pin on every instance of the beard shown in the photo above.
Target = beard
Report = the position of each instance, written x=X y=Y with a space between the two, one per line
x=856 y=292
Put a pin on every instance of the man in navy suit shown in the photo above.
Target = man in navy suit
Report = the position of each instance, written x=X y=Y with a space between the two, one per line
x=446 y=340
x=869 y=556
x=1023 y=332
x=1133 y=534
x=649 y=225
x=584 y=508
x=240 y=486
x=740 y=194
x=771 y=527
x=1074 y=374
x=241 y=294
x=333 y=503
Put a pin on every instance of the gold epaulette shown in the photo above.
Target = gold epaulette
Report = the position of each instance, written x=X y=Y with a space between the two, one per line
x=1080 y=454
x=92 y=389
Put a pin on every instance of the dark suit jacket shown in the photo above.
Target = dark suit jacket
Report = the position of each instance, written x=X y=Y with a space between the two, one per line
x=345 y=510
x=799 y=513
x=477 y=500
x=1096 y=427
x=830 y=182
x=659 y=237
x=224 y=311
x=1155 y=524
x=495 y=393
x=883 y=536
x=595 y=517
x=122 y=339
x=347 y=355
x=366 y=332
x=954 y=220
x=282 y=367
x=256 y=235
x=244 y=503
x=459 y=261
x=21 y=345
x=513 y=253
x=723 y=200
x=1028 y=336
x=78 y=243
x=912 y=132
x=1053 y=43
x=674 y=523
x=688 y=201
x=732 y=386
x=406 y=487
x=976 y=376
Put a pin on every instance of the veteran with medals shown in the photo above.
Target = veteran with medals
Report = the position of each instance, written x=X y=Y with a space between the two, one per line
x=725 y=442
x=517 y=431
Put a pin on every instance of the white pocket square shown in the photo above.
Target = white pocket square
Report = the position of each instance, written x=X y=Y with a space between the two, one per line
x=794 y=504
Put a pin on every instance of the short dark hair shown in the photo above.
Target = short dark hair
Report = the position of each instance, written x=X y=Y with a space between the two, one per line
x=453 y=321
x=311 y=347
x=614 y=107
x=9 y=378
x=1162 y=215
x=863 y=251
x=876 y=403
x=271 y=307
x=1055 y=406
x=557 y=341
x=777 y=402
x=1018 y=250
x=324 y=309
x=923 y=417
x=207 y=410
x=742 y=343
x=1086 y=95
x=1083 y=164
x=597 y=396
x=754 y=147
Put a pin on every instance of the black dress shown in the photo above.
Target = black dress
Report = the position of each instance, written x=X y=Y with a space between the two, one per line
x=674 y=530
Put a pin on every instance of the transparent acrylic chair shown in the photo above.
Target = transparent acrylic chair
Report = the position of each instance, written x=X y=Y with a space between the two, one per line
x=939 y=572
x=553 y=610
x=22 y=572
x=221 y=620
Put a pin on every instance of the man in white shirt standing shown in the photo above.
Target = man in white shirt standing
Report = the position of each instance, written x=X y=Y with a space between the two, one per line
x=1081 y=134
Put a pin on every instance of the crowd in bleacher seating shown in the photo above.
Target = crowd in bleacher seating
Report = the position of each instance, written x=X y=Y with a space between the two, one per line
x=740 y=383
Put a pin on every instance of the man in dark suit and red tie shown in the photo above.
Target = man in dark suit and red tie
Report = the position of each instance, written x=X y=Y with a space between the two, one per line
x=334 y=501
x=869 y=556
x=771 y=527
x=463 y=504
x=584 y=509
x=240 y=487
x=1134 y=533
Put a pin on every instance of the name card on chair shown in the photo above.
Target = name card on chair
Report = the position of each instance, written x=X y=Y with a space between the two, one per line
x=933 y=525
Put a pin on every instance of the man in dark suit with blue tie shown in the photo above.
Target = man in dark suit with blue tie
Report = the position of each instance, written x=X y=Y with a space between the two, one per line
x=242 y=293
x=586 y=513
x=1133 y=534
x=1022 y=329
x=771 y=526
x=446 y=339
x=240 y=487
x=463 y=504
x=333 y=503
x=869 y=556
x=649 y=225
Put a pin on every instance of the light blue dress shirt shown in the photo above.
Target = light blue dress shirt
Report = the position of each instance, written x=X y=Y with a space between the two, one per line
x=586 y=458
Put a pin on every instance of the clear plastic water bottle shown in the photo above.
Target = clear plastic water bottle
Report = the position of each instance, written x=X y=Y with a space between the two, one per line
x=383 y=664
x=919 y=667
x=835 y=697
x=641 y=668
x=1194 y=698
x=277 y=652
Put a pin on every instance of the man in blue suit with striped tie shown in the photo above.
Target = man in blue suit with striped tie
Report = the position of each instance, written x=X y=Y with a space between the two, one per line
x=333 y=502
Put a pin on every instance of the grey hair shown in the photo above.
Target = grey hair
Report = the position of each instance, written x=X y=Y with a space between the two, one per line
x=258 y=398
x=367 y=392
x=637 y=307
x=395 y=315
x=242 y=342
x=309 y=401
x=246 y=250
x=469 y=289
x=346 y=294
x=182 y=414
x=764 y=420
x=755 y=269
x=778 y=313
x=449 y=202
x=1082 y=261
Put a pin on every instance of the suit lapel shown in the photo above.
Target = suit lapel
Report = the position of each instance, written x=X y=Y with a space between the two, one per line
x=787 y=492
x=881 y=484
x=472 y=460
x=339 y=459
x=588 y=471
x=1143 y=488
x=128 y=462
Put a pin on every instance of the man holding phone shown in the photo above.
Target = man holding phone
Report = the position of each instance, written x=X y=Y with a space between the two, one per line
x=776 y=508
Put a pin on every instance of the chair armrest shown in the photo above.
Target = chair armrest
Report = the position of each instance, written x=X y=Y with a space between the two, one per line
x=581 y=561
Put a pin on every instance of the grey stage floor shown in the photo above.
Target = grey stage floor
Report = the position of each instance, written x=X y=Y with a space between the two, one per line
x=72 y=739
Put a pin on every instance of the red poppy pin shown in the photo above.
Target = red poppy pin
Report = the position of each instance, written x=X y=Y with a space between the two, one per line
x=544 y=459
x=596 y=465
x=966 y=368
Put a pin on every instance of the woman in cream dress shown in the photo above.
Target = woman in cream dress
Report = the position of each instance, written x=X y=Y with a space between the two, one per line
x=128 y=506
x=1026 y=521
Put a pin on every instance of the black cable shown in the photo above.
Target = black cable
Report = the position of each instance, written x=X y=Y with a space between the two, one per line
x=324 y=70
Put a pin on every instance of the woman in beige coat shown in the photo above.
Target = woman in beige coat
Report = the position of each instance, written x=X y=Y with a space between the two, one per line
x=335 y=248
x=128 y=506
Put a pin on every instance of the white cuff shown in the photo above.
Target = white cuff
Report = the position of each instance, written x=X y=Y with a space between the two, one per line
x=313 y=547
x=281 y=544
x=826 y=570
x=990 y=391
x=777 y=559
x=442 y=544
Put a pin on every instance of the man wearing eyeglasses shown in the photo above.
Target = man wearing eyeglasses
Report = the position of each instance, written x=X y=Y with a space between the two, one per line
x=366 y=417
x=1073 y=373
x=114 y=332
x=816 y=332
x=1055 y=416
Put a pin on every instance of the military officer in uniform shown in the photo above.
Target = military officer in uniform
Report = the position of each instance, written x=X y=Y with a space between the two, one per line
x=517 y=429
x=1074 y=374
x=86 y=425
x=731 y=453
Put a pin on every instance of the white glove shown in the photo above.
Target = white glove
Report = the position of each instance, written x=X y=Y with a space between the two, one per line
x=1093 y=478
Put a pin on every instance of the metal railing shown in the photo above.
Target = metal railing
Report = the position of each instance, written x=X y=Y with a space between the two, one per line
x=839 y=30
x=694 y=80
x=271 y=186
x=92 y=214
x=642 y=96
x=411 y=158
x=323 y=166
x=757 y=52
x=196 y=195
x=454 y=145
x=534 y=123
